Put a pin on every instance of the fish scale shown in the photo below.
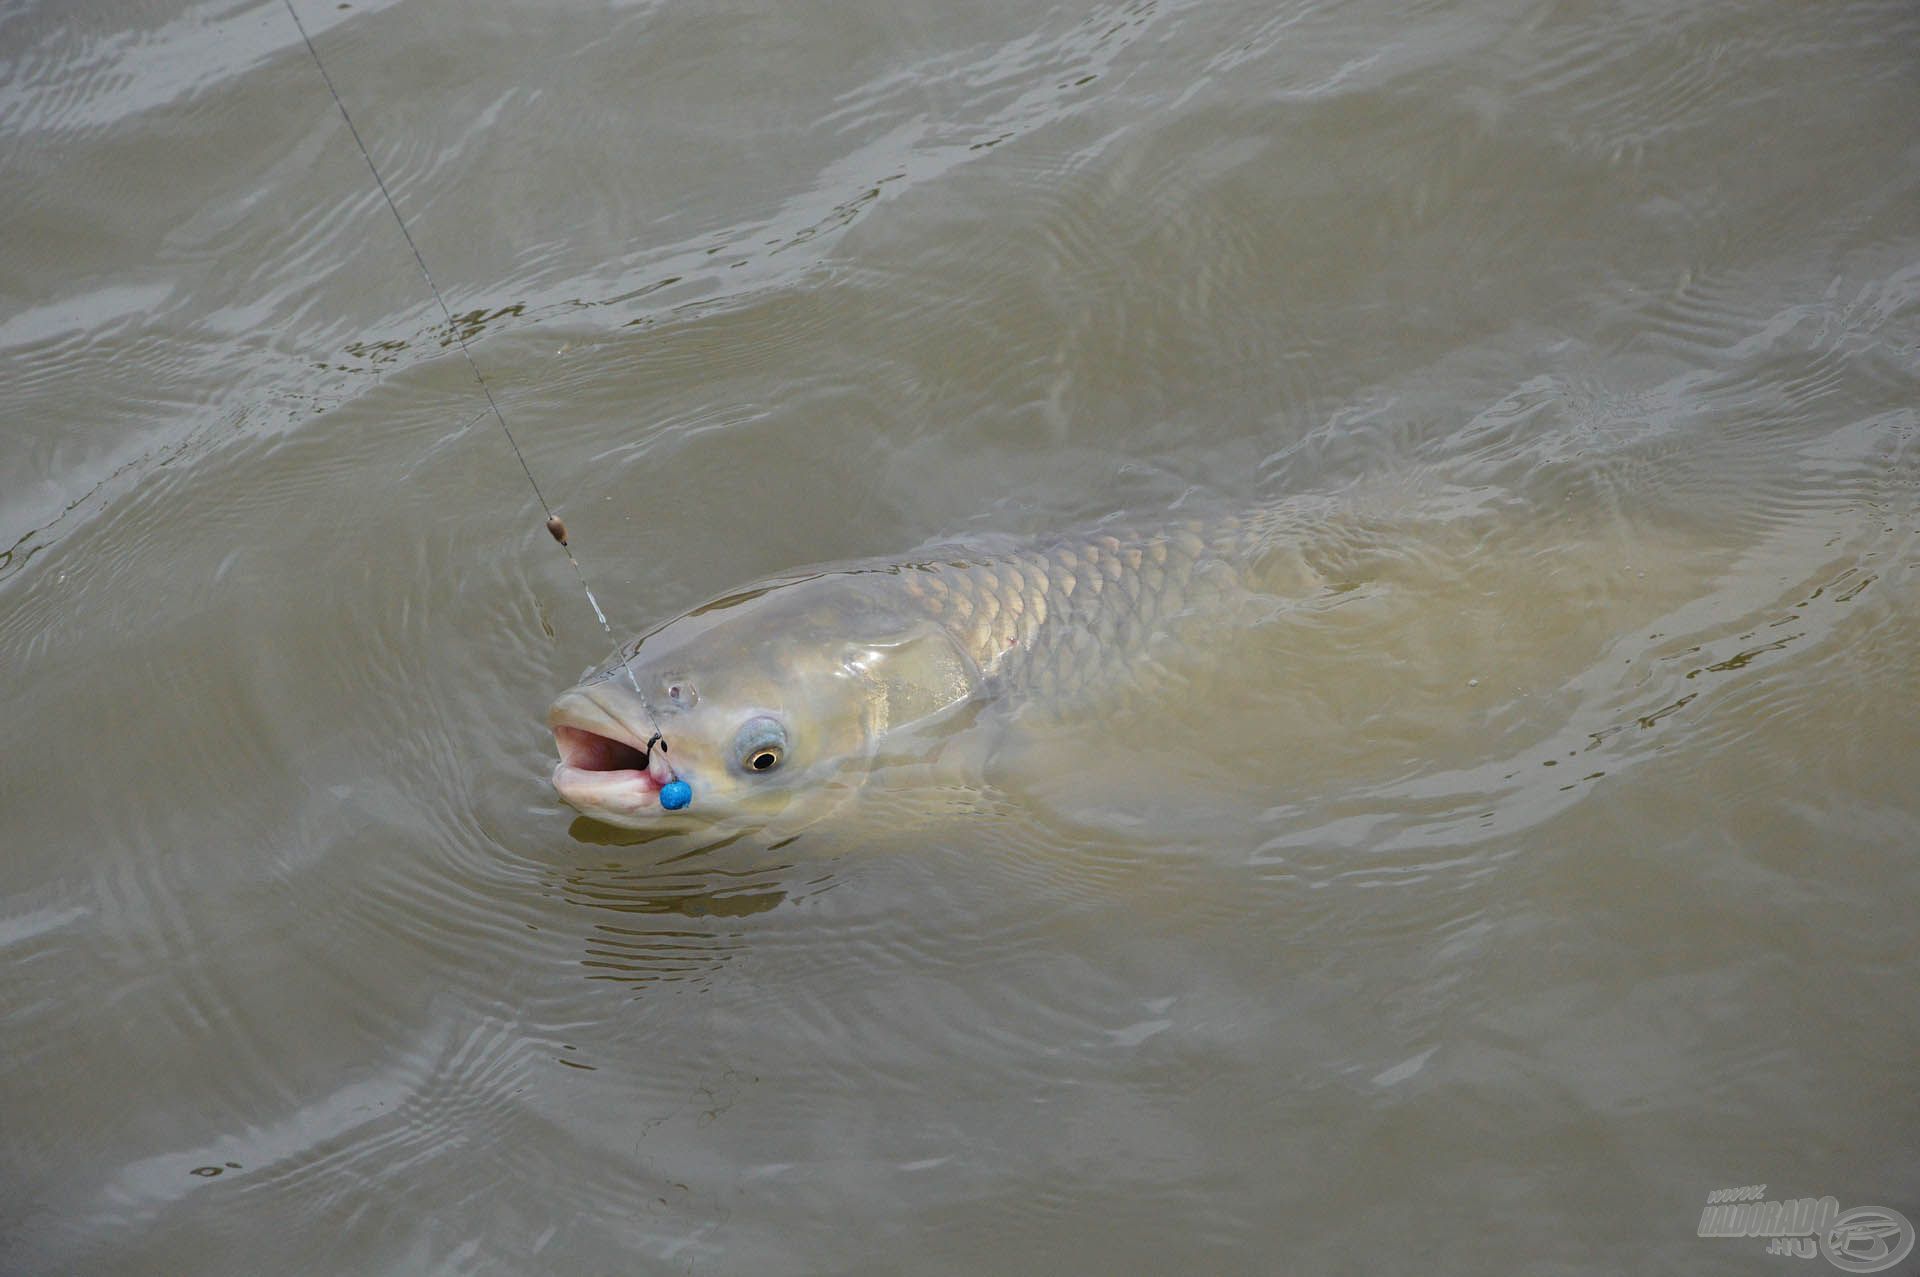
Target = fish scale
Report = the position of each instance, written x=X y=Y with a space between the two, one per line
x=1065 y=617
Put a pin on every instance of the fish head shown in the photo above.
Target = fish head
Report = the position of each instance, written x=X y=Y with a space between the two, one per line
x=771 y=704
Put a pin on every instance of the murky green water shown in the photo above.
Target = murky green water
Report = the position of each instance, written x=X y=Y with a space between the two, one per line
x=1483 y=923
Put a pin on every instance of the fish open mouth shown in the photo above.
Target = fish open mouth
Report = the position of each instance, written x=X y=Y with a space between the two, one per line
x=604 y=770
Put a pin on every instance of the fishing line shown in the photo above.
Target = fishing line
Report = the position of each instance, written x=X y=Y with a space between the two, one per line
x=676 y=793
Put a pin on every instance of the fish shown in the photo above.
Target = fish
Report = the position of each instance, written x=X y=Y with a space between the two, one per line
x=780 y=700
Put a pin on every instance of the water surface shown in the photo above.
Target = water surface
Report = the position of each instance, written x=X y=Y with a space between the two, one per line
x=1485 y=922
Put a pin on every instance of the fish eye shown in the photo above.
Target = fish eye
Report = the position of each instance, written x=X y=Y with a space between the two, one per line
x=760 y=745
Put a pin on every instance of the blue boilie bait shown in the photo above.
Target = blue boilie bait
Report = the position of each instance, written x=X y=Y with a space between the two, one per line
x=675 y=794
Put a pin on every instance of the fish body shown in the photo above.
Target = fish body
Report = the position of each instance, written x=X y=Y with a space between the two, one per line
x=780 y=698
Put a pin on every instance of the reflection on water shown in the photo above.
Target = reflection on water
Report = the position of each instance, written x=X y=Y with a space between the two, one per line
x=1481 y=917
x=655 y=934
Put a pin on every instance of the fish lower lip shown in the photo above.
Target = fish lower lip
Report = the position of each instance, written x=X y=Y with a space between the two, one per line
x=603 y=771
x=626 y=791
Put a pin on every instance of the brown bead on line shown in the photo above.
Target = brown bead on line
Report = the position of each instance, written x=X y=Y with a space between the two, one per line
x=558 y=529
